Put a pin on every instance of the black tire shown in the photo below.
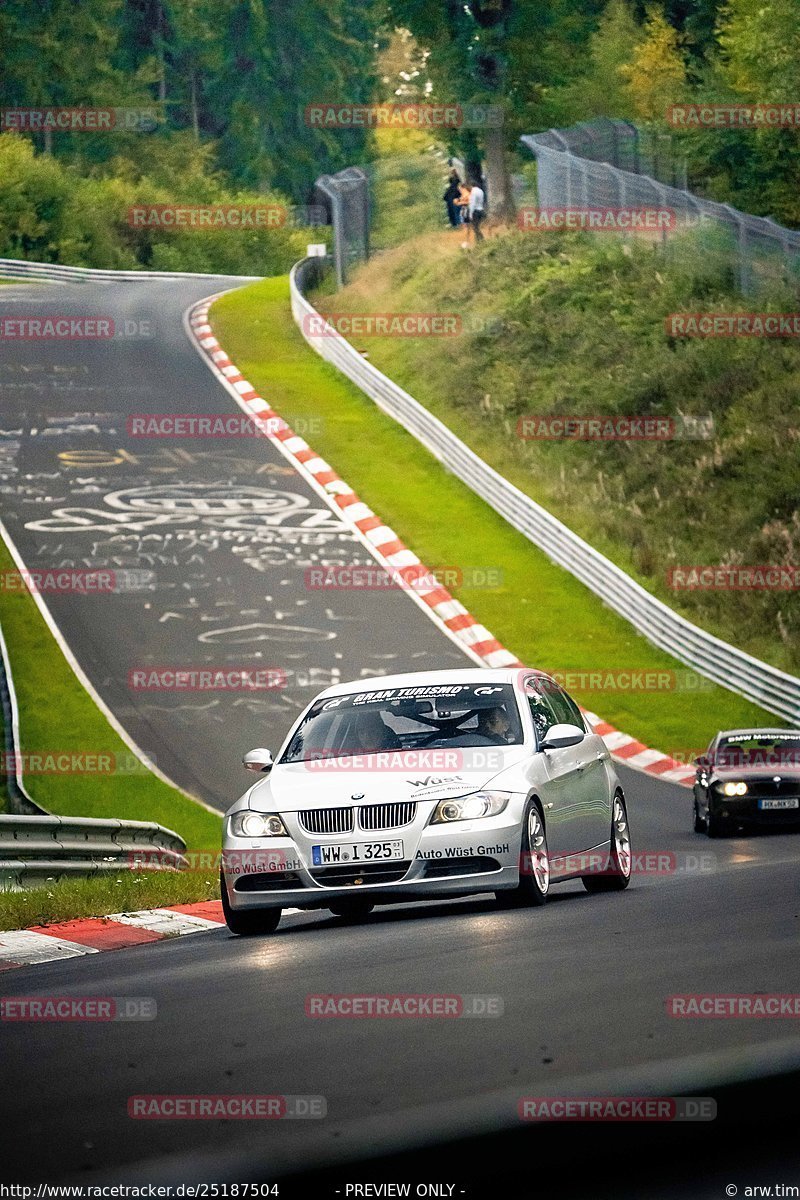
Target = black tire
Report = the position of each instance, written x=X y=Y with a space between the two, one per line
x=699 y=823
x=716 y=826
x=534 y=875
x=352 y=910
x=248 y=923
x=620 y=856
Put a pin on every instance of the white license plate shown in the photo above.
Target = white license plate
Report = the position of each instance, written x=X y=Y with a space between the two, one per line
x=788 y=802
x=355 y=852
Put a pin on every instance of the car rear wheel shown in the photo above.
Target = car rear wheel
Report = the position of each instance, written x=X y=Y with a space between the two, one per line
x=248 y=923
x=534 y=871
x=352 y=910
x=620 y=862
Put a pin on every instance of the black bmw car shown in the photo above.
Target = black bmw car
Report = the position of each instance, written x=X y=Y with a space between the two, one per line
x=748 y=777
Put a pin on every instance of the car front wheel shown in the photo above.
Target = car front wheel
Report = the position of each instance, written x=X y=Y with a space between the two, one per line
x=716 y=826
x=699 y=823
x=248 y=923
x=620 y=863
x=534 y=871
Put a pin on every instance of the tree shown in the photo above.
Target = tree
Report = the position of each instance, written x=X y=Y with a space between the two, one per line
x=656 y=75
x=601 y=89
x=273 y=69
x=761 y=49
x=468 y=44
x=44 y=57
x=509 y=55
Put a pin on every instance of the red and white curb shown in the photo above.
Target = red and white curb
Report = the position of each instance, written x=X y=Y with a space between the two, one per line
x=71 y=939
x=391 y=552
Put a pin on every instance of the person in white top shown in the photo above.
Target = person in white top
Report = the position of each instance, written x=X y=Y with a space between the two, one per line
x=477 y=209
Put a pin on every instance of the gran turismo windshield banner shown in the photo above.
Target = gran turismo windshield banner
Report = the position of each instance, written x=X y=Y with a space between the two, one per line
x=425 y=727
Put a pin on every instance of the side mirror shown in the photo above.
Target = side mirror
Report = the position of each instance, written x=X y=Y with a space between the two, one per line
x=257 y=760
x=702 y=762
x=558 y=737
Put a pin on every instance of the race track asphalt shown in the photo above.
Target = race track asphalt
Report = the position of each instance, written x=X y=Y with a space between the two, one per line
x=583 y=981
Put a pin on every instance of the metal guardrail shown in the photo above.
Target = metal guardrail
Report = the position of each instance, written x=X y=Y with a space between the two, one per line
x=18 y=798
x=759 y=682
x=42 y=847
x=35 y=845
x=18 y=268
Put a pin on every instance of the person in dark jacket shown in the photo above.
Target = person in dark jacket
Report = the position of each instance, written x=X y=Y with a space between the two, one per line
x=451 y=195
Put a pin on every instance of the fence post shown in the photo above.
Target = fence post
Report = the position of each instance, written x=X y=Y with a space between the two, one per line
x=662 y=199
x=742 y=249
x=348 y=194
x=654 y=154
x=636 y=164
x=584 y=183
x=782 y=235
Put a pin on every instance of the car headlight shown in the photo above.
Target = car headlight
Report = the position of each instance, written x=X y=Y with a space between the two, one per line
x=734 y=789
x=467 y=808
x=255 y=825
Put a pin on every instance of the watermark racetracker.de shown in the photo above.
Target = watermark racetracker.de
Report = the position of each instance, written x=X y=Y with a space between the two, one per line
x=734 y=578
x=53 y=1008
x=401 y=324
x=617 y=1108
x=575 y=427
x=343 y=115
x=79 y=120
x=215 y=1107
x=597 y=219
x=189 y=678
x=373 y=1006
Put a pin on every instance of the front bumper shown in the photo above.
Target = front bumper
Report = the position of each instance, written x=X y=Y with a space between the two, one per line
x=746 y=809
x=438 y=860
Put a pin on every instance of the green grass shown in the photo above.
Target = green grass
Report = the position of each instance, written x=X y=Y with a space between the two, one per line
x=579 y=329
x=70 y=899
x=540 y=612
x=56 y=713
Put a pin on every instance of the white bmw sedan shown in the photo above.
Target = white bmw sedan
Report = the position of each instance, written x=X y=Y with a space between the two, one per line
x=425 y=786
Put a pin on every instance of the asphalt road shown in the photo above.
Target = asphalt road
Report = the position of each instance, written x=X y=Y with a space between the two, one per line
x=213 y=538
x=583 y=981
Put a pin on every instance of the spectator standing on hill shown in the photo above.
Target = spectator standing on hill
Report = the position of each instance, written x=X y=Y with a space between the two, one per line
x=476 y=209
x=451 y=199
x=463 y=205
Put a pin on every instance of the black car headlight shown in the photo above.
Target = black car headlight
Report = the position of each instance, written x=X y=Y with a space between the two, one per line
x=732 y=788
x=469 y=808
x=256 y=825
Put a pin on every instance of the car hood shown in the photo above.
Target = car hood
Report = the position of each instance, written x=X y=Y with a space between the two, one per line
x=333 y=783
x=786 y=771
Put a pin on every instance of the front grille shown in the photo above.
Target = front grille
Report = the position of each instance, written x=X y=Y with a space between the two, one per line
x=350 y=876
x=387 y=816
x=473 y=864
x=768 y=789
x=269 y=881
x=327 y=820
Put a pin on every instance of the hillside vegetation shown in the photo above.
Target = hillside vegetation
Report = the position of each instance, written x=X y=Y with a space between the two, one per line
x=575 y=325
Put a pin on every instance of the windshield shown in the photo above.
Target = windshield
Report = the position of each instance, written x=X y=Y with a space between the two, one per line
x=759 y=750
x=412 y=718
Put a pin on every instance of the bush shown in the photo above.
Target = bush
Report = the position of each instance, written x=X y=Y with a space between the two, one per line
x=50 y=213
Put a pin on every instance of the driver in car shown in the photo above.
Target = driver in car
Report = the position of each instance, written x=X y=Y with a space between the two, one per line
x=493 y=724
x=373 y=734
